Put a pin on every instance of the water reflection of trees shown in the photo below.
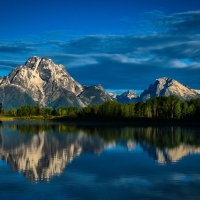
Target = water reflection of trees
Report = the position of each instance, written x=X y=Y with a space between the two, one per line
x=40 y=152
x=43 y=150
x=157 y=136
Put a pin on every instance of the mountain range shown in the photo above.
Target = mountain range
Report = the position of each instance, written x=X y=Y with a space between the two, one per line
x=41 y=81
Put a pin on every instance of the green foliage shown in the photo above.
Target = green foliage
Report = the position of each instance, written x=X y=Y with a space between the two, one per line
x=1 y=108
x=177 y=109
x=13 y=112
x=170 y=107
x=46 y=111
x=110 y=109
x=184 y=110
x=66 y=111
x=30 y=111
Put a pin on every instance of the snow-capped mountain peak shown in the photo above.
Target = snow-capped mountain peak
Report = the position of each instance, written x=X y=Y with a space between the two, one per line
x=42 y=81
x=128 y=96
x=168 y=86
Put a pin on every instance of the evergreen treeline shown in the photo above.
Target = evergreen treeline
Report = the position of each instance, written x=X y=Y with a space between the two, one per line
x=159 y=107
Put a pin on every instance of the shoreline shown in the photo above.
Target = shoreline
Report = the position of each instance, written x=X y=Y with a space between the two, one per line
x=129 y=122
x=7 y=119
x=111 y=122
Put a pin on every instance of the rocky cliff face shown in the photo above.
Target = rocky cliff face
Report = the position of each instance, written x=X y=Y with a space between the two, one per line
x=113 y=95
x=126 y=97
x=42 y=81
x=167 y=86
x=94 y=95
x=197 y=91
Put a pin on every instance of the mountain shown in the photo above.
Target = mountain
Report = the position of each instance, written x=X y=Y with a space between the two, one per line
x=113 y=95
x=168 y=86
x=41 y=81
x=94 y=95
x=126 y=97
x=14 y=96
x=197 y=91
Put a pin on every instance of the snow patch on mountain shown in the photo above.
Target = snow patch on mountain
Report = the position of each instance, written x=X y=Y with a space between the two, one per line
x=113 y=95
x=168 y=86
x=48 y=84
x=128 y=96
x=197 y=91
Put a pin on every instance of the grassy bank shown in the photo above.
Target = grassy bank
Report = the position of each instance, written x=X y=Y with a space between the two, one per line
x=6 y=118
x=26 y=118
x=106 y=121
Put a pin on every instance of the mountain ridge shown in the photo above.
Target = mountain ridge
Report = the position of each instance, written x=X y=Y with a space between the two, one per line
x=168 y=86
x=41 y=81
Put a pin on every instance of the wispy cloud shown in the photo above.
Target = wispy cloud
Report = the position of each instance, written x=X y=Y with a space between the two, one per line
x=182 y=23
x=123 y=61
x=15 y=48
x=7 y=66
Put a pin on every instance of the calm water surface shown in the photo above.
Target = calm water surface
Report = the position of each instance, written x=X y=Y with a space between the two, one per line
x=58 y=161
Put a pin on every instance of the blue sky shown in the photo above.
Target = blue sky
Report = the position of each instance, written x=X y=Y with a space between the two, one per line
x=121 y=44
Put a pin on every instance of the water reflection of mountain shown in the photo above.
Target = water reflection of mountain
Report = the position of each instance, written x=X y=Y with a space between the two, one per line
x=42 y=155
x=170 y=155
x=41 y=151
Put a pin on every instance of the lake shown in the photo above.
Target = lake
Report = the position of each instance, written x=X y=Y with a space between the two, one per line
x=41 y=160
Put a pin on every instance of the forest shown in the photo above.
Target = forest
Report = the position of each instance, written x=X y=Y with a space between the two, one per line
x=161 y=107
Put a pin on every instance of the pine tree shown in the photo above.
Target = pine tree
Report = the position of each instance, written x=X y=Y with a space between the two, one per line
x=177 y=109
x=1 y=108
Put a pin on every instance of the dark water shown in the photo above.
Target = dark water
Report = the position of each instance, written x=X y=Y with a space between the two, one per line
x=58 y=161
